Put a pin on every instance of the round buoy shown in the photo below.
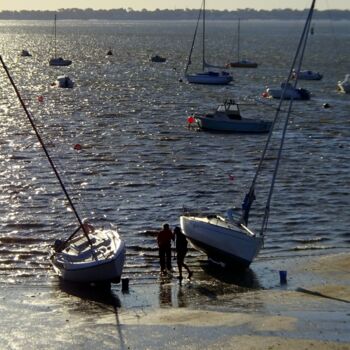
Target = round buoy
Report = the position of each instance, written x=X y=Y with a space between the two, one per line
x=180 y=80
x=191 y=119
x=326 y=105
x=265 y=94
x=77 y=147
x=41 y=98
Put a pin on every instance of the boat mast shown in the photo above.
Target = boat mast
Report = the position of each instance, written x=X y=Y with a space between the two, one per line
x=238 y=38
x=249 y=198
x=55 y=35
x=298 y=55
x=46 y=151
x=193 y=41
x=203 y=38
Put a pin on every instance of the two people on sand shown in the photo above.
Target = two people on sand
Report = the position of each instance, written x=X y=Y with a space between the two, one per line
x=164 y=238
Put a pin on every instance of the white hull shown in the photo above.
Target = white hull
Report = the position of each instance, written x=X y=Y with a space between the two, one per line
x=79 y=263
x=230 y=243
x=64 y=81
x=209 y=78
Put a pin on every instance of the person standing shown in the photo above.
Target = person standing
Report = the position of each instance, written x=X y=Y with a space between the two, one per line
x=164 y=239
x=181 y=251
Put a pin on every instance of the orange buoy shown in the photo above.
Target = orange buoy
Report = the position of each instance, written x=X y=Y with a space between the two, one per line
x=41 y=98
x=265 y=94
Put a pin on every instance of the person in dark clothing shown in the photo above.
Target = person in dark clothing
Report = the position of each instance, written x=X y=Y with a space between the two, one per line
x=164 y=239
x=181 y=251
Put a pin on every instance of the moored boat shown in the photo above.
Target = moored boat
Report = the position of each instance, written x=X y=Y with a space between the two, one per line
x=288 y=92
x=344 y=86
x=307 y=75
x=63 y=81
x=227 y=118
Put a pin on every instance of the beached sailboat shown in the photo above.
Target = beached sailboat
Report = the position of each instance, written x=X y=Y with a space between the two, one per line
x=229 y=240
x=228 y=118
x=209 y=77
x=288 y=92
x=241 y=63
x=88 y=254
x=57 y=61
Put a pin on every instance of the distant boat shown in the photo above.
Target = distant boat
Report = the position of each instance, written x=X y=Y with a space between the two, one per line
x=57 y=61
x=158 y=59
x=227 y=118
x=63 y=81
x=344 y=86
x=209 y=77
x=229 y=240
x=241 y=63
x=87 y=255
x=288 y=92
x=25 y=53
x=306 y=75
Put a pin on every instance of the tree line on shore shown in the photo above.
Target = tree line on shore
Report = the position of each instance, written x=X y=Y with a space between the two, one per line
x=176 y=14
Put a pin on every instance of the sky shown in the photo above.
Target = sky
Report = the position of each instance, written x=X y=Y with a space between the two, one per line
x=170 y=4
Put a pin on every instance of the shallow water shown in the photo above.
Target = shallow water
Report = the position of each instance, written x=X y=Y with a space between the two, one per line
x=140 y=165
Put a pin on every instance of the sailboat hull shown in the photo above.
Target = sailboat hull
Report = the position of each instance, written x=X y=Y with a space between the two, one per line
x=243 y=64
x=104 y=262
x=225 y=242
x=209 y=78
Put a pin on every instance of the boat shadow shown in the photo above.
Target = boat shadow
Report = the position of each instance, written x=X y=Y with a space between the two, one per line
x=242 y=278
x=101 y=294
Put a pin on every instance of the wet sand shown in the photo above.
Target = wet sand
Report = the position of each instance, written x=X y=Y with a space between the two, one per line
x=311 y=311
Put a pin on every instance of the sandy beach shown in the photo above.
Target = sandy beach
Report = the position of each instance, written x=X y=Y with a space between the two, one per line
x=311 y=311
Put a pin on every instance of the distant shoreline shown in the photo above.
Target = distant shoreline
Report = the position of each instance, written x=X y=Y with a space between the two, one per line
x=178 y=14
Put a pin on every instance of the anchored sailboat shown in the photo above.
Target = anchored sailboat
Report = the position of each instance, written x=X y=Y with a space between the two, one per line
x=241 y=63
x=88 y=255
x=210 y=77
x=229 y=240
x=57 y=61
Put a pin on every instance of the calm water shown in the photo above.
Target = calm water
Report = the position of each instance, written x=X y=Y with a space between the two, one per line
x=140 y=165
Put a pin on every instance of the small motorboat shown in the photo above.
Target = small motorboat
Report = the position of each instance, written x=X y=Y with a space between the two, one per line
x=306 y=75
x=344 y=86
x=25 y=53
x=287 y=92
x=227 y=118
x=59 y=61
x=158 y=59
x=63 y=81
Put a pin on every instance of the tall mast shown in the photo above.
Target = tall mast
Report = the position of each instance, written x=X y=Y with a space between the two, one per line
x=203 y=56
x=55 y=36
x=238 y=38
x=250 y=195
x=45 y=150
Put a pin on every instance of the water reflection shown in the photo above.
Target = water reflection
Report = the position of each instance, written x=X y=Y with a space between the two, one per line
x=165 y=292
x=244 y=279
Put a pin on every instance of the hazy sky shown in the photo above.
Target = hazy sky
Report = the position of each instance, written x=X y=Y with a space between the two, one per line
x=169 y=4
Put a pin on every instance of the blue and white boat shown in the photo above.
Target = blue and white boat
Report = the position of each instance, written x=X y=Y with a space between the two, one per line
x=227 y=118
x=215 y=76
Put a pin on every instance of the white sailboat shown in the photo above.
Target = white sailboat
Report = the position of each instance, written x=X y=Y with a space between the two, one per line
x=229 y=240
x=88 y=255
x=209 y=77
x=57 y=61
x=241 y=63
